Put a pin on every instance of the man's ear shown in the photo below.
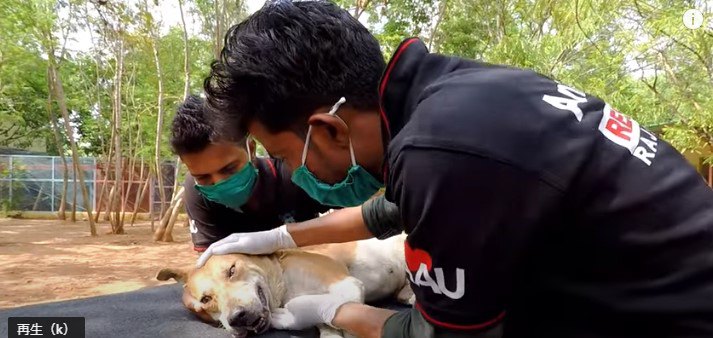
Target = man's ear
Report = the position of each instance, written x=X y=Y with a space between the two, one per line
x=253 y=147
x=179 y=275
x=332 y=126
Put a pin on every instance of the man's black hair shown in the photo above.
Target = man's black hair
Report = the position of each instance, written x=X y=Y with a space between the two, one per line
x=289 y=59
x=190 y=130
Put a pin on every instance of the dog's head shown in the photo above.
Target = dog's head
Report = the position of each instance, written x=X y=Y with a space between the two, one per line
x=230 y=290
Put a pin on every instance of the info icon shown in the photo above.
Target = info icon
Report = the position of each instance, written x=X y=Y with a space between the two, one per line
x=693 y=19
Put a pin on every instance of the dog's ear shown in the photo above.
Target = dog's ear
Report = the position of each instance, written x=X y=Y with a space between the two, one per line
x=180 y=275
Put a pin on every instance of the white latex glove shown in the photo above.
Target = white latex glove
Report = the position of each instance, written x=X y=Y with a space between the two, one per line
x=307 y=311
x=254 y=243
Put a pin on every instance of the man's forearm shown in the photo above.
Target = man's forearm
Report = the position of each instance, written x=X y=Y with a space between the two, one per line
x=361 y=320
x=340 y=226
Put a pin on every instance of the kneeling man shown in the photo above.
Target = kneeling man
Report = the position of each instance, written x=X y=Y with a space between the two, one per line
x=229 y=189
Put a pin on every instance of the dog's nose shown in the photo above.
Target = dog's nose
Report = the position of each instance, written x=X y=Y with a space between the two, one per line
x=242 y=318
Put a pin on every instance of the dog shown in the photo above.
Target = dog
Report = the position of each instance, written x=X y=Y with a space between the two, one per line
x=241 y=292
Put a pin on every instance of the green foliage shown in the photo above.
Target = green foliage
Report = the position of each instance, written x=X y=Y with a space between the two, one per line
x=23 y=81
x=635 y=54
x=10 y=200
x=682 y=60
x=597 y=47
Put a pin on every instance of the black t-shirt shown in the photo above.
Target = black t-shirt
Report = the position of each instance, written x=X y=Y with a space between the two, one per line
x=534 y=204
x=275 y=201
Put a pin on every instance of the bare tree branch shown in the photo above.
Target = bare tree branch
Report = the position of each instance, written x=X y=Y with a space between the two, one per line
x=579 y=25
x=361 y=8
x=692 y=50
x=441 y=13
x=699 y=131
x=65 y=36
x=672 y=75
x=676 y=41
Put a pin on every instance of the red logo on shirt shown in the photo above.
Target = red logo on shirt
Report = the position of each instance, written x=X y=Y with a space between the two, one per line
x=414 y=258
x=625 y=132
x=619 y=125
x=420 y=266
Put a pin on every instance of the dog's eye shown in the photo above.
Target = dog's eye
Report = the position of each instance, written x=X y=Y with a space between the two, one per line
x=205 y=299
x=231 y=272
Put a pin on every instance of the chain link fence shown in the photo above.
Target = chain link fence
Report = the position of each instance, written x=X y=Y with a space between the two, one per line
x=35 y=183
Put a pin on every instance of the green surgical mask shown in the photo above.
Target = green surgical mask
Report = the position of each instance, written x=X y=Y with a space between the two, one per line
x=355 y=189
x=234 y=191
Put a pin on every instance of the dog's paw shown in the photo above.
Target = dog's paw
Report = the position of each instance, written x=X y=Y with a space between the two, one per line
x=282 y=319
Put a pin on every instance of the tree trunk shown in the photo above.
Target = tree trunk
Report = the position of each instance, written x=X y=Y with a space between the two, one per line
x=98 y=85
x=143 y=184
x=219 y=6
x=168 y=234
x=73 y=216
x=117 y=226
x=100 y=200
x=39 y=197
x=132 y=167
x=186 y=57
x=186 y=93
x=107 y=174
x=127 y=192
x=111 y=206
x=59 y=96
x=160 y=233
x=60 y=149
x=144 y=190
x=151 y=202
x=163 y=221
x=159 y=124
x=65 y=185
x=432 y=40
x=176 y=171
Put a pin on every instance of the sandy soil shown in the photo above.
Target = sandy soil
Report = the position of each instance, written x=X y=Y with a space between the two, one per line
x=45 y=261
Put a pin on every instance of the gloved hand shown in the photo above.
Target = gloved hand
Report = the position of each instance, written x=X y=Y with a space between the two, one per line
x=307 y=311
x=255 y=243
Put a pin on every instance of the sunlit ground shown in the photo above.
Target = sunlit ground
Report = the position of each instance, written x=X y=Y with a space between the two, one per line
x=45 y=261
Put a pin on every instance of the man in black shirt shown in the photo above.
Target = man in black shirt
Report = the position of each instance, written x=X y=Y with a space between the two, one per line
x=269 y=202
x=530 y=206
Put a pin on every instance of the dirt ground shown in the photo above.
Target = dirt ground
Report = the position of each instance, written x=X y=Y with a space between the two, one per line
x=48 y=260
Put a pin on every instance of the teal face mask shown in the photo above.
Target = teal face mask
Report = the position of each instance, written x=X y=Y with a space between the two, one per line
x=354 y=190
x=234 y=191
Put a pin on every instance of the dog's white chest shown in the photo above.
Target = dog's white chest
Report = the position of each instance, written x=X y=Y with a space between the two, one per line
x=380 y=265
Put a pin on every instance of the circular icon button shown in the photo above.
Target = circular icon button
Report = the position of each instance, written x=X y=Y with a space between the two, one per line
x=693 y=19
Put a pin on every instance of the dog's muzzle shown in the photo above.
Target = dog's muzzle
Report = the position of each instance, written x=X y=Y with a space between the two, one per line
x=242 y=321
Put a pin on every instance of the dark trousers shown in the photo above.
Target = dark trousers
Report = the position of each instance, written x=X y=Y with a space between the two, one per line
x=411 y=324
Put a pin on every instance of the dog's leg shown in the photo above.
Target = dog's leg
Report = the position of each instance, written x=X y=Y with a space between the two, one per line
x=326 y=331
x=349 y=289
x=406 y=296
